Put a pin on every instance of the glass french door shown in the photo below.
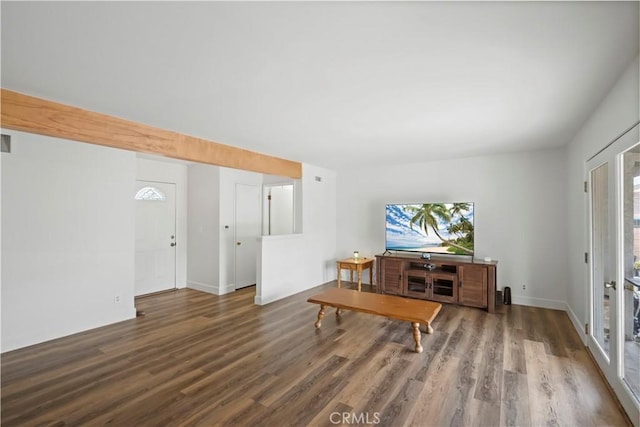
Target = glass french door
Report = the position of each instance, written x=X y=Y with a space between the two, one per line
x=614 y=239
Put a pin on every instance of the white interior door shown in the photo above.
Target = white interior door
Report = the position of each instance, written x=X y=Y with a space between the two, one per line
x=155 y=237
x=614 y=214
x=248 y=228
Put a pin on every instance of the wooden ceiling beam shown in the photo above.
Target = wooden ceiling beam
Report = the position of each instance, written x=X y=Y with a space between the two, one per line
x=35 y=115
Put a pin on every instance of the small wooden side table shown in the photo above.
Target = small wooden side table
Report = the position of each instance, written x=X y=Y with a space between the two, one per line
x=358 y=265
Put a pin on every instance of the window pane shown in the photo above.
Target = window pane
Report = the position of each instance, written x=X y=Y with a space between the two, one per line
x=631 y=291
x=150 y=193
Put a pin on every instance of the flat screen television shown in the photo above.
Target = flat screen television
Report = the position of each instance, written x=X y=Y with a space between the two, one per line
x=437 y=228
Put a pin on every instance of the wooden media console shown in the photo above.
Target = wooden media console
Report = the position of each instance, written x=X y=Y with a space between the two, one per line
x=470 y=282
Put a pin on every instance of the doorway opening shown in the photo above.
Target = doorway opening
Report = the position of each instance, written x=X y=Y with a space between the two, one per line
x=247 y=231
x=278 y=209
x=613 y=177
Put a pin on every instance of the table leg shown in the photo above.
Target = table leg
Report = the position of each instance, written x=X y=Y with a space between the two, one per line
x=429 y=329
x=337 y=312
x=416 y=336
x=359 y=279
x=320 y=316
x=339 y=271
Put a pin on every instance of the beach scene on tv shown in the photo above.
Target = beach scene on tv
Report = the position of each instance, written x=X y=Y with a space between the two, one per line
x=445 y=228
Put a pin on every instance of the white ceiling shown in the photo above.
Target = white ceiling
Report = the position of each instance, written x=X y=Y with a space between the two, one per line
x=334 y=84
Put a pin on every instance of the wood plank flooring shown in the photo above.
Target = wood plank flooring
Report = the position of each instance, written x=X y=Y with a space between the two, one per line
x=197 y=359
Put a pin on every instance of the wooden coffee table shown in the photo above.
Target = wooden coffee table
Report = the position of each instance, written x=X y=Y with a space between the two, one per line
x=411 y=310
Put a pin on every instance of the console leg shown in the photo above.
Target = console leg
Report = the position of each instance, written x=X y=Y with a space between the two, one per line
x=320 y=316
x=416 y=336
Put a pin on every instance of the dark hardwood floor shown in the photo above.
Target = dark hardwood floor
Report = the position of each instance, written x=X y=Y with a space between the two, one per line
x=200 y=359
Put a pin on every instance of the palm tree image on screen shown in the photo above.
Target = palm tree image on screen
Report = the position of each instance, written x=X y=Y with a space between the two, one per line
x=430 y=215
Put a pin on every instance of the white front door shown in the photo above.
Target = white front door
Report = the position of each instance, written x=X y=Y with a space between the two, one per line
x=155 y=237
x=248 y=229
x=614 y=214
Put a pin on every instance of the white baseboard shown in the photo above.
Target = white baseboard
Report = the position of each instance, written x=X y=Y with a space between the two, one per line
x=212 y=289
x=264 y=301
x=539 y=302
x=576 y=324
x=225 y=289
x=204 y=287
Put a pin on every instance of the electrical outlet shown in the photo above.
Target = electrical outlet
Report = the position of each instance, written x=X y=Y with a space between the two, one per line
x=524 y=287
x=116 y=299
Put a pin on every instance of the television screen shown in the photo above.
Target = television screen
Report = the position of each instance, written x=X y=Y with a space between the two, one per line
x=444 y=228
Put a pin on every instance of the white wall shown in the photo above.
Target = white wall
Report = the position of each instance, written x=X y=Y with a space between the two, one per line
x=68 y=238
x=171 y=172
x=211 y=264
x=616 y=113
x=289 y=264
x=203 y=263
x=520 y=220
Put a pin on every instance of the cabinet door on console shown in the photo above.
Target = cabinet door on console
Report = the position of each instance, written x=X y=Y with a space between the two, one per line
x=472 y=285
x=391 y=276
x=444 y=287
x=417 y=284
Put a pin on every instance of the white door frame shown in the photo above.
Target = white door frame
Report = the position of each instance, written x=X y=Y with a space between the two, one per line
x=612 y=364
x=175 y=225
x=238 y=240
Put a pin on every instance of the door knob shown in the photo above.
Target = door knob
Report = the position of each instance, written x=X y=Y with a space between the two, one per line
x=238 y=243
x=609 y=285
x=173 y=244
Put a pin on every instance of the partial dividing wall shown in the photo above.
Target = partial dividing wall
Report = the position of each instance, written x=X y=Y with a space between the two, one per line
x=520 y=220
x=68 y=238
x=288 y=264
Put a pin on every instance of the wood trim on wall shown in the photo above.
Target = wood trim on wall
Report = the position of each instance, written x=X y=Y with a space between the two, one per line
x=35 y=115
